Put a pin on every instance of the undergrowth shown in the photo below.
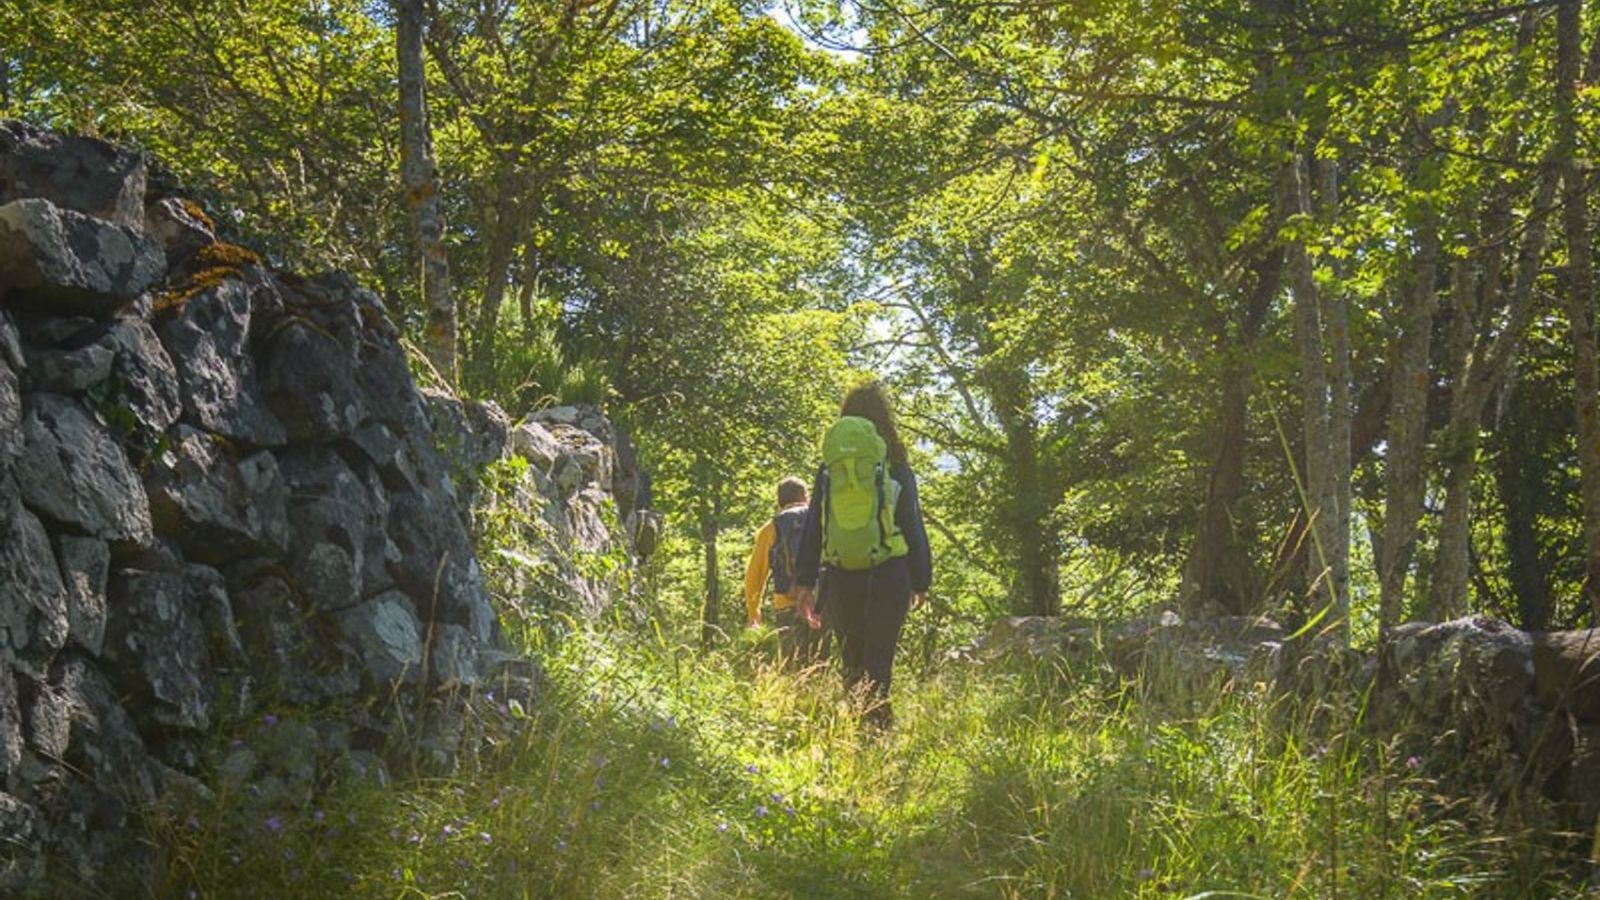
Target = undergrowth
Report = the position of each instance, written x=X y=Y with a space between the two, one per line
x=649 y=769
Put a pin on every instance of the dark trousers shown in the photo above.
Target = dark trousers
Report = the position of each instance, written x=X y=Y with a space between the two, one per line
x=800 y=644
x=867 y=609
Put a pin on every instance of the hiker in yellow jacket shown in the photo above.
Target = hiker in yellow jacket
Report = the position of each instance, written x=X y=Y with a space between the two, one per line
x=772 y=558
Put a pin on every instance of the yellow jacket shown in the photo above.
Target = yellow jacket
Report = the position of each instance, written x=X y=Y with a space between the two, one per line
x=757 y=572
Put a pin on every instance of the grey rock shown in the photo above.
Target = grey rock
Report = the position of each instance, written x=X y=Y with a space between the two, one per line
x=386 y=637
x=48 y=722
x=287 y=775
x=156 y=637
x=11 y=342
x=390 y=454
x=584 y=459
x=1567 y=672
x=534 y=443
x=10 y=418
x=305 y=377
x=179 y=226
x=1476 y=669
x=436 y=562
x=558 y=415
x=390 y=393
x=288 y=653
x=22 y=858
x=78 y=173
x=208 y=593
x=33 y=601
x=10 y=725
x=453 y=656
x=210 y=332
x=237 y=769
x=73 y=472
x=339 y=551
x=104 y=743
x=60 y=330
x=85 y=563
x=145 y=380
x=645 y=528
x=1582 y=786
x=69 y=371
x=69 y=263
x=217 y=509
x=469 y=435
x=586 y=517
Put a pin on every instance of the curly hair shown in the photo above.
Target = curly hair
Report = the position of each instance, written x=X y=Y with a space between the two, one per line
x=870 y=400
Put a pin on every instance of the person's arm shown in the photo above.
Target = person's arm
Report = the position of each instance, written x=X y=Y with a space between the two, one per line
x=809 y=558
x=908 y=517
x=756 y=572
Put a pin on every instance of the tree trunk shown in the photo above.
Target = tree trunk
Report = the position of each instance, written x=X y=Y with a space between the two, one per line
x=1328 y=575
x=420 y=181
x=1579 y=290
x=1518 y=472
x=710 y=527
x=1336 y=320
x=1478 y=374
x=502 y=250
x=1219 y=572
x=1408 y=429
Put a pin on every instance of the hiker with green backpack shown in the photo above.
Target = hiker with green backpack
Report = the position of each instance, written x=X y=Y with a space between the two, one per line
x=865 y=526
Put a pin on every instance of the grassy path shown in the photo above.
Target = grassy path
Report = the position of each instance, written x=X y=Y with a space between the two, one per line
x=656 y=772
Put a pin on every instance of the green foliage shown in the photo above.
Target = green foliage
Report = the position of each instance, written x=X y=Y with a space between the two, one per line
x=532 y=370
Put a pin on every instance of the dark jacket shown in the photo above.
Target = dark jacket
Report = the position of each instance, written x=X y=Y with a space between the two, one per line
x=907 y=516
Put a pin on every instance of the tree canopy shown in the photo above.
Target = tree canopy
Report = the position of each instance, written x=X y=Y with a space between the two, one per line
x=1225 y=306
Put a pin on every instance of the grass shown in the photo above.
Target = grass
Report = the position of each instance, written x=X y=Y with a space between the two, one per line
x=650 y=770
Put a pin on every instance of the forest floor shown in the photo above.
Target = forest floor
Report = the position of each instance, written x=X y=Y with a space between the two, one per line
x=653 y=770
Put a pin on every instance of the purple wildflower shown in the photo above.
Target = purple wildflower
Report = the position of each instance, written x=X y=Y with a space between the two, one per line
x=761 y=810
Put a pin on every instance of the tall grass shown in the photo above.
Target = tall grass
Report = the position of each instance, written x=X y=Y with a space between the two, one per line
x=648 y=769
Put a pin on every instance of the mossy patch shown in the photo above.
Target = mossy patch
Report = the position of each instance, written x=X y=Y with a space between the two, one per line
x=199 y=215
x=222 y=253
x=213 y=264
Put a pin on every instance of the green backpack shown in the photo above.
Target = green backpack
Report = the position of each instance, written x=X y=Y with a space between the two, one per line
x=858 y=528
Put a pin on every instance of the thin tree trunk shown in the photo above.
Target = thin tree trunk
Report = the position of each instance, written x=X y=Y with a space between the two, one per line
x=710 y=527
x=1408 y=429
x=1320 y=477
x=420 y=181
x=1579 y=293
x=1479 y=372
x=1218 y=571
x=1336 y=320
x=502 y=250
x=1518 y=471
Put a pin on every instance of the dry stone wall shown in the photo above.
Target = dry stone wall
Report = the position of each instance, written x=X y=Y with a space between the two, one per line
x=1502 y=712
x=222 y=496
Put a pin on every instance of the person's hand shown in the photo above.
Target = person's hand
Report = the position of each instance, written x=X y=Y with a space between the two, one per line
x=809 y=613
x=918 y=598
x=805 y=598
x=755 y=621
